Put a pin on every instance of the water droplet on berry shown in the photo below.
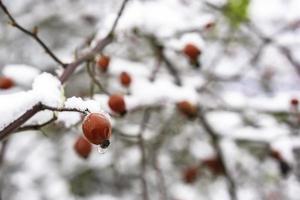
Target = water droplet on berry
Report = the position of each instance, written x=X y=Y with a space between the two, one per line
x=101 y=150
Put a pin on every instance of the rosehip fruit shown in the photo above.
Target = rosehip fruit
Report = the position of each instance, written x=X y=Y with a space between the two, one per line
x=214 y=164
x=187 y=109
x=117 y=104
x=82 y=147
x=276 y=155
x=6 y=83
x=97 y=129
x=125 y=79
x=103 y=63
x=294 y=102
x=191 y=51
x=190 y=174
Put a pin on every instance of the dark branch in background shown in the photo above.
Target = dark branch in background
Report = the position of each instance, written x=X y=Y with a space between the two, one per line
x=118 y=17
x=141 y=143
x=94 y=79
x=158 y=49
x=284 y=50
x=2 y=152
x=69 y=69
x=33 y=34
x=217 y=146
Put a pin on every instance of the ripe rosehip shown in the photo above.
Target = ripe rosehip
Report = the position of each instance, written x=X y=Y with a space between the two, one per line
x=96 y=128
x=190 y=174
x=6 y=83
x=276 y=154
x=117 y=104
x=187 y=109
x=209 y=25
x=82 y=147
x=103 y=63
x=191 y=51
x=294 y=102
x=125 y=79
x=214 y=164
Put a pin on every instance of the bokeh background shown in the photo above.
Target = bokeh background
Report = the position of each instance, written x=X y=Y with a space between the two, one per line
x=245 y=87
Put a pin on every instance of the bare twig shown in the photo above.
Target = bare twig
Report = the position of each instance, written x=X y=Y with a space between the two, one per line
x=216 y=144
x=95 y=80
x=37 y=126
x=141 y=143
x=33 y=34
x=118 y=17
x=3 y=150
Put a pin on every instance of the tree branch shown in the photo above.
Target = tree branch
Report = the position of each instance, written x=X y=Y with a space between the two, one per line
x=33 y=34
x=216 y=144
x=68 y=71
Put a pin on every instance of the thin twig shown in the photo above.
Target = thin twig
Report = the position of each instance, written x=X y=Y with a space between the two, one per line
x=118 y=17
x=216 y=144
x=33 y=34
x=2 y=151
x=95 y=80
x=37 y=126
x=141 y=143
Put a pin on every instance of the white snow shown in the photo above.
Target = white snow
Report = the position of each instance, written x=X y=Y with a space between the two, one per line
x=46 y=89
x=21 y=74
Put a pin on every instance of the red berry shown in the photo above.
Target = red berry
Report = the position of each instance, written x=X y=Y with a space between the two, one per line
x=125 y=79
x=214 y=164
x=103 y=63
x=276 y=154
x=6 y=83
x=294 y=102
x=209 y=25
x=96 y=128
x=82 y=147
x=190 y=174
x=117 y=104
x=187 y=109
x=191 y=51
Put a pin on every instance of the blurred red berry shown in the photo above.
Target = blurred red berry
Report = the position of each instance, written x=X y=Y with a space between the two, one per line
x=276 y=154
x=294 y=102
x=97 y=129
x=190 y=174
x=82 y=147
x=214 y=164
x=187 y=109
x=191 y=51
x=103 y=63
x=125 y=79
x=6 y=83
x=116 y=103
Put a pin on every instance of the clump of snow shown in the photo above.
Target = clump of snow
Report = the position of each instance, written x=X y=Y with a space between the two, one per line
x=46 y=89
x=140 y=14
x=21 y=74
x=49 y=90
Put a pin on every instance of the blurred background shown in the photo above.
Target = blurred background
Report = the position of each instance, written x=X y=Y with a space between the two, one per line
x=212 y=102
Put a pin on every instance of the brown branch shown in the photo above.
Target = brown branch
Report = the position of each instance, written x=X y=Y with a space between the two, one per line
x=118 y=17
x=216 y=144
x=69 y=69
x=141 y=143
x=2 y=151
x=33 y=34
x=37 y=126
x=95 y=80
x=159 y=51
